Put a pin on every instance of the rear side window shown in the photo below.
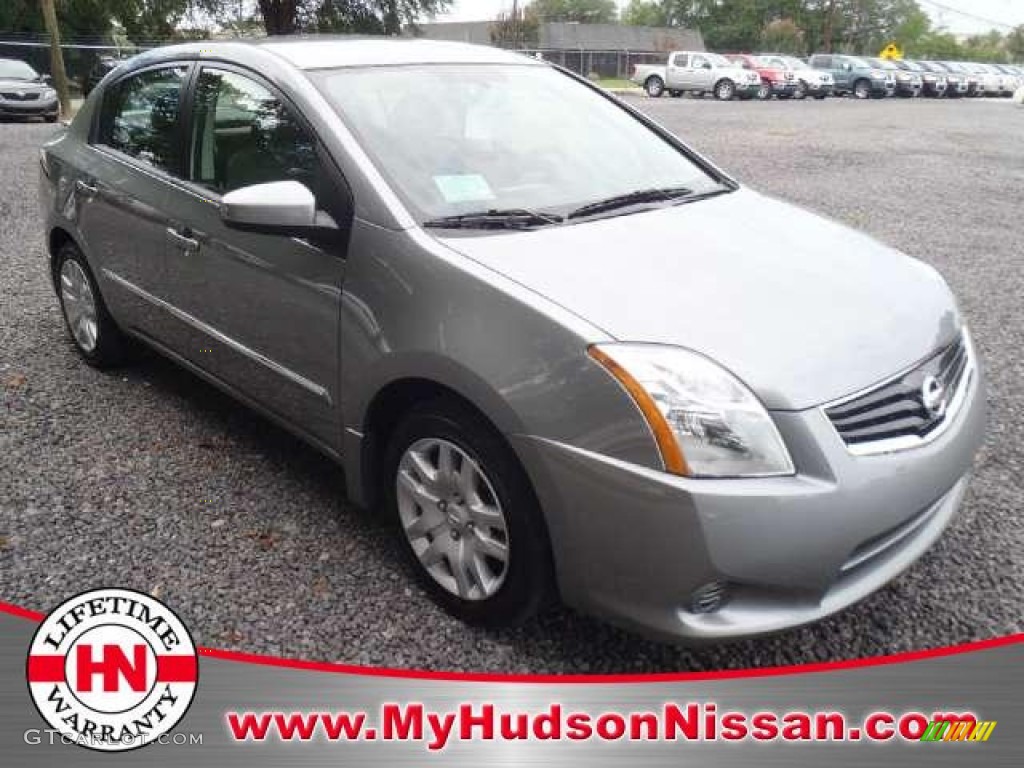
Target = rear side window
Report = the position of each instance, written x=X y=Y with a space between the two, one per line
x=243 y=134
x=679 y=60
x=140 y=117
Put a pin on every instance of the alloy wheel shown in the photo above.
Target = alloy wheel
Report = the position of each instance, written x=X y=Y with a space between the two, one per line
x=79 y=305
x=452 y=518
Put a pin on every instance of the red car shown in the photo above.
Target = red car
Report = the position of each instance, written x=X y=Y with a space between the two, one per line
x=774 y=80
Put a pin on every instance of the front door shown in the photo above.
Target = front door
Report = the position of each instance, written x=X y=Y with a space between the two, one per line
x=258 y=311
x=702 y=73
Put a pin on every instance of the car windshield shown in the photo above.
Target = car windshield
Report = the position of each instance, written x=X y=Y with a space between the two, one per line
x=459 y=139
x=913 y=66
x=16 y=70
x=883 y=64
x=794 y=63
x=718 y=60
x=858 y=62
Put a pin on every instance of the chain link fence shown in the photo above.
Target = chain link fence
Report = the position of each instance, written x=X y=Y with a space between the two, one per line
x=597 y=63
x=81 y=58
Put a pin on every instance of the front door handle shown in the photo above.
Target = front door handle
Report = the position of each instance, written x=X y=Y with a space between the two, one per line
x=182 y=240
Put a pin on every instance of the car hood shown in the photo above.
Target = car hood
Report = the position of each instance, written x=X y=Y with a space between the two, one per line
x=9 y=84
x=804 y=310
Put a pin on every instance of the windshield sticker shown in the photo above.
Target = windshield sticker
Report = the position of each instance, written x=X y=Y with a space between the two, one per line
x=467 y=188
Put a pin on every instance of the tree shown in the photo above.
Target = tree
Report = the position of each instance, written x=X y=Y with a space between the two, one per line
x=783 y=36
x=60 y=78
x=1015 y=44
x=513 y=29
x=584 y=11
x=645 y=13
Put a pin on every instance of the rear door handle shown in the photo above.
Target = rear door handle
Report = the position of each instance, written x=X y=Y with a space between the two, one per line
x=86 y=189
x=182 y=241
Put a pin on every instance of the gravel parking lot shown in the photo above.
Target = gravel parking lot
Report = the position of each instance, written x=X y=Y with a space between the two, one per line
x=148 y=478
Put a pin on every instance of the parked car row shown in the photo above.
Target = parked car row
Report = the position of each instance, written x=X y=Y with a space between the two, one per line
x=762 y=76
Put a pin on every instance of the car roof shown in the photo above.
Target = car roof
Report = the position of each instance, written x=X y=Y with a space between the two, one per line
x=334 y=51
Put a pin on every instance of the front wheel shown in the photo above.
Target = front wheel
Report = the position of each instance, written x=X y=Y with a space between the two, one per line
x=725 y=90
x=655 y=87
x=801 y=91
x=764 y=91
x=471 y=525
x=862 y=89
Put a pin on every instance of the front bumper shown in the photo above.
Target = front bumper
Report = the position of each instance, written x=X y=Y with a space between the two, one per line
x=632 y=544
x=31 y=108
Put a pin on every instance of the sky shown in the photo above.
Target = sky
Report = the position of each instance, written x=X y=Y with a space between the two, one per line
x=958 y=16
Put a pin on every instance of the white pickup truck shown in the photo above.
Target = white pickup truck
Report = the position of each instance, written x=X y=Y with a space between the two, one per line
x=697 y=72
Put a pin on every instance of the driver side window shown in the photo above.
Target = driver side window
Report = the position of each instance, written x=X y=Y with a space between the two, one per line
x=243 y=134
x=698 y=62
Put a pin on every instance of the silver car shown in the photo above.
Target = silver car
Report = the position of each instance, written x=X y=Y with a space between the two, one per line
x=566 y=355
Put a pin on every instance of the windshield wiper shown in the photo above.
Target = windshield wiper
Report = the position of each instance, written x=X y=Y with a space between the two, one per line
x=640 y=196
x=511 y=218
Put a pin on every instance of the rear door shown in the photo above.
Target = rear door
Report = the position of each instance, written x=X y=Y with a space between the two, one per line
x=676 y=71
x=258 y=311
x=120 y=194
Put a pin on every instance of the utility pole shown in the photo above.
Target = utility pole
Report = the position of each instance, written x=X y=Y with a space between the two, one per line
x=60 y=77
x=830 y=18
x=515 y=25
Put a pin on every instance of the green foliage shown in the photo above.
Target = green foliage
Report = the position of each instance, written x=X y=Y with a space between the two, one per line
x=588 y=11
x=782 y=36
x=644 y=13
x=516 y=30
x=806 y=26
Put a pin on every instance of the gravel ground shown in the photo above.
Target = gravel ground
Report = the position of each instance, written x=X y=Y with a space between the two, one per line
x=148 y=478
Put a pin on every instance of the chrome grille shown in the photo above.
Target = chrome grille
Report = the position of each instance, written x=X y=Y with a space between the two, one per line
x=906 y=410
x=20 y=95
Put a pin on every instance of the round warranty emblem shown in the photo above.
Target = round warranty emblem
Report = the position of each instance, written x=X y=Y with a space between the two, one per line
x=112 y=669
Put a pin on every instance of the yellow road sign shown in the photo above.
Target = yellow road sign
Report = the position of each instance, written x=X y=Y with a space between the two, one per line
x=891 y=51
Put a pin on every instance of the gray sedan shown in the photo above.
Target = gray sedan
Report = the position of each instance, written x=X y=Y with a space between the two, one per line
x=567 y=356
x=26 y=93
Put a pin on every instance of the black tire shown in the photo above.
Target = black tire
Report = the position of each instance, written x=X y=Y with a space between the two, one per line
x=862 y=89
x=528 y=577
x=820 y=96
x=801 y=91
x=764 y=91
x=654 y=86
x=725 y=90
x=675 y=94
x=111 y=346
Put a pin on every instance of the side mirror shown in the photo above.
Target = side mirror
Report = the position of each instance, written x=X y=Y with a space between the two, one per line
x=45 y=79
x=707 y=65
x=280 y=207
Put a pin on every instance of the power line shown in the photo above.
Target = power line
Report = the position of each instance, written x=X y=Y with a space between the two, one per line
x=968 y=15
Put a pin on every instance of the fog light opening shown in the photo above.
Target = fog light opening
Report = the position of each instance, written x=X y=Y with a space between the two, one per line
x=709 y=597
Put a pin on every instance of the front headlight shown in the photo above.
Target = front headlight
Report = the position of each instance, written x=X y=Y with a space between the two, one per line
x=706 y=422
x=49 y=93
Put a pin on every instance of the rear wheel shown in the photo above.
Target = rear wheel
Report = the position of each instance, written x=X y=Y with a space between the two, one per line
x=95 y=334
x=469 y=520
x=655 y=87
x=725 y=90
